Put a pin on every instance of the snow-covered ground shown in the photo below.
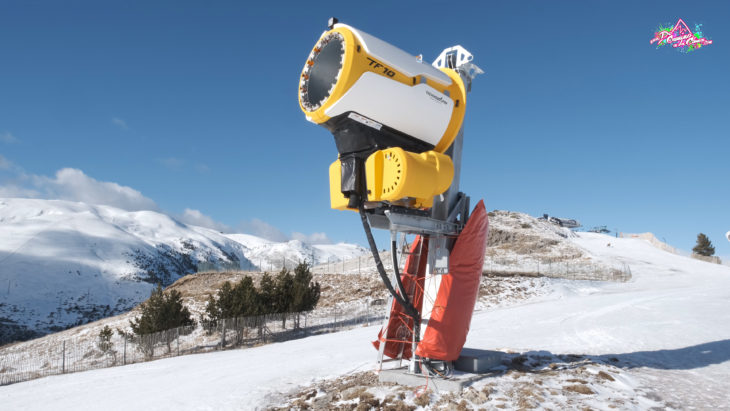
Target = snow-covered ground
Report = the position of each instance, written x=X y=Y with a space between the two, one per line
x=667 y=331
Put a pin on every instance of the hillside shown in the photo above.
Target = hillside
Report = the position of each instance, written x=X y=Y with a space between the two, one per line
x=65 y=263
x=348 y=287
x=571 y=346
x=658 y=340
x=99 y=240
x=562 y=337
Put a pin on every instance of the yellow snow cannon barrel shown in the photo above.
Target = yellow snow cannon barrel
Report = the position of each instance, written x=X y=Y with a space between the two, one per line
x=369 y=93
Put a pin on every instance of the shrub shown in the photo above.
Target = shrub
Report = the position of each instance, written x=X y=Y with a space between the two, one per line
x=704 y=246
x=159 y=313
x=104 y=342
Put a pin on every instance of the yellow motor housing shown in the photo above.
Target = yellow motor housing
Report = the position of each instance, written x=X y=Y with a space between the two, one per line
x=399 y=177
x=394 y=174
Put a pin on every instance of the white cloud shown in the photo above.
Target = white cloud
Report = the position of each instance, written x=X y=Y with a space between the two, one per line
x=314 y=238
x=15 y=191
x=195 y=217
x=8 y=138
x=73 y=185
x=5 y=164
x=263 y=229
x=119 y=123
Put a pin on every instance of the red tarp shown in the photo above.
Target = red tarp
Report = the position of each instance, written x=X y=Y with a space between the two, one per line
x=400 y=326
x=448 y=326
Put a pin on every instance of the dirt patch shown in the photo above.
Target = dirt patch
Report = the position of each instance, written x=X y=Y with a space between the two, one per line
x=606 y=376
x=579 y=388
x=524 y=381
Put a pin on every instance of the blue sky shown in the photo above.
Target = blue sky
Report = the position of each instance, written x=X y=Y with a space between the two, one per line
x=193 y=105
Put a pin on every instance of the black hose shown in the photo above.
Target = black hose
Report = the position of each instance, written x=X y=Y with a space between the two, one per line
x=398 y=281
x=407 y=306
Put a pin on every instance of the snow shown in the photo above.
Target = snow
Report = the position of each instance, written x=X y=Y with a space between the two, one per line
x=269 y=254
x=228 y=380
x=668 y=328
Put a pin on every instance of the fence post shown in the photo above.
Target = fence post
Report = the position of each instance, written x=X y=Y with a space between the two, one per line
x=178 y=340
x=223 y=335
x=63 y=360
x=124 y=358
x=367 y=310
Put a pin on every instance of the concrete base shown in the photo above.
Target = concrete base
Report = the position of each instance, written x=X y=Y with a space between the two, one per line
x=400 y=376
x=477 y=361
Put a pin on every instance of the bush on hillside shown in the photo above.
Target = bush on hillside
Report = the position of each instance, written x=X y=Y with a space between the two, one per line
x=704 y=246
x=161 y=312
x=285 y=293
x=104 y=341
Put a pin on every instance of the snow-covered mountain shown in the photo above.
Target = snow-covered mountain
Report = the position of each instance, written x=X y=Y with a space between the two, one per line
x=64 y=263
x=269 y=254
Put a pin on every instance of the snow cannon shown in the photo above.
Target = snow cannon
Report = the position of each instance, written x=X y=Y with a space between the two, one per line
x=397 y=125
x=373 y=96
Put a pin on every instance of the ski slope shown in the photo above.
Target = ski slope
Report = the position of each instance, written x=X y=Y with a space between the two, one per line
x=669 y=327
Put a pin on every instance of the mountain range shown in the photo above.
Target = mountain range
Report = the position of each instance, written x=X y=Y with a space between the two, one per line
x=66 y=263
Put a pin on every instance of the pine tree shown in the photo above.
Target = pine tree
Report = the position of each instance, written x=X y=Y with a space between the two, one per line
x=267 y=297
x=246 y=298
x=212 y=310
x=305 y=293
x=704 y=246
x=231 y=301
x=226 y=301
x=283 y=294
x=267 y=300
x=283 y=291
x=159 y=313
x=104 y=342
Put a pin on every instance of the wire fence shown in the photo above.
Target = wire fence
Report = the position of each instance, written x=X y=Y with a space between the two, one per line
x=363 y=264
x=254 y=264
x=123 y=348
x=570 y=270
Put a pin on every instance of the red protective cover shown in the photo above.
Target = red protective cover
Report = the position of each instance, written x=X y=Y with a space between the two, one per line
x=448 y=326
x=400 y=326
